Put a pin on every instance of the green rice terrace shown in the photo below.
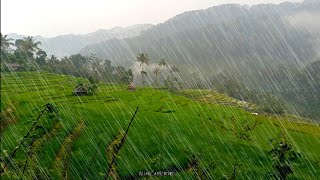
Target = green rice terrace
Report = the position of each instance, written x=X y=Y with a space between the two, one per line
x=189 y=134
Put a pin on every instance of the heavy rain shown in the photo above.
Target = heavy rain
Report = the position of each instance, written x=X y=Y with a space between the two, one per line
x=207 y=90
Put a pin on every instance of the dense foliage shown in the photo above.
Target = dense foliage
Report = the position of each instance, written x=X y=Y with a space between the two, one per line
x=27 y=54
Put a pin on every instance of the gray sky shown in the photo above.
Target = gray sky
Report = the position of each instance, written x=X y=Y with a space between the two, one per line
x=55 y=17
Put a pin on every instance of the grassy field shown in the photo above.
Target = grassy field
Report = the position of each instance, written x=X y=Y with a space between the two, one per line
x=169 y=127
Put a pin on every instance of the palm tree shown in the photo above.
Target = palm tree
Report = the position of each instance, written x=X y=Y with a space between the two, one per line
x=53 y=63
x=53 y=59
x=30 y=44
x=156 y=71
x=26 y=48
x=163 y=63
x=174 y=69
x=143 y=59
x=5 y=42
x=173 y=79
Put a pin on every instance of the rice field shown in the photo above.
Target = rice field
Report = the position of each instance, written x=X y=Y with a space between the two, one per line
x=170 y=130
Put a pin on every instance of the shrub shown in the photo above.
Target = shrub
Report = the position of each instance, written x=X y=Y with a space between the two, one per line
x=283 y=157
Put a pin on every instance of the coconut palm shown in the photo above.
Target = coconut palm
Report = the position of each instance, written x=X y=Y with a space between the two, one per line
x=156 y=71
x=172 y=80
x=5 y=42
x=163 y=63
x=29 y=44
x=26 y=48
x=53 y=62
x=143 y=59
x=53 y=59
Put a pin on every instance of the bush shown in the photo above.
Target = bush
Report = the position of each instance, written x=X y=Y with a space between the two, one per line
x=283 y=157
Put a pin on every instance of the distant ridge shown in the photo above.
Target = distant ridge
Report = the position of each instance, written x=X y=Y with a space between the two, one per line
x=64 y=45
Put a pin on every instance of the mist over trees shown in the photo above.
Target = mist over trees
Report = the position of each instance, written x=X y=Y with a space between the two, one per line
x=25 y=55
x=218 y=39
x=265 y=48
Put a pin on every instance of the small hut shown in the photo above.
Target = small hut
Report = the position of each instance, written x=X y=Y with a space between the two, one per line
x=14 y=66
x=80 y=91
x=132 y=87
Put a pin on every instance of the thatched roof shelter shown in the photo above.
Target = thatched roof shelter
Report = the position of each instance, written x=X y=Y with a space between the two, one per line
x=80 y=91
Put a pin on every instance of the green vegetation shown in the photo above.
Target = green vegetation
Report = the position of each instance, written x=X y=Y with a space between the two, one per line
x=258 y=47
x=143 y=59
x=196 y=133
x=211 y=118
x=267 y=102
x=283 y=156
x=25 y=55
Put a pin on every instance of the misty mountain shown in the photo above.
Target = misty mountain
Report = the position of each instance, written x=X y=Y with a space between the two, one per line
x=71 y=44
x=225 y=37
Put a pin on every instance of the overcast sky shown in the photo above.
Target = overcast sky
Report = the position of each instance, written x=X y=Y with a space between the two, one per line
x=55 y=17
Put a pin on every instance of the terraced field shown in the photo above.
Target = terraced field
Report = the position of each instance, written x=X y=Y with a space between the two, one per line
x=170 y=131
x=214 y=97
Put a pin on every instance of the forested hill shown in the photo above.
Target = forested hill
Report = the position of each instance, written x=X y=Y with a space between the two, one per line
x=225 y=36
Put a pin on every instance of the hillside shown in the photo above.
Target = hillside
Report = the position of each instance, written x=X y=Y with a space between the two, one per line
x=264 y=47
x=169 y=129
x=225 y=37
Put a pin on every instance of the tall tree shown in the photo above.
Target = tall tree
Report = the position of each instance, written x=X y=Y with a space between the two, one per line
x=78 y=60
x=172 y=81
x=6 y=56
x=53 y=59
x=163 y=63
x=41 y=57
x=144 y=60
x=54 y=64
x=95 y=66
x=156 y=71
x=26 y=48
x=19 y=53
x=130 y=75
x=121 y=75
x=174 y=69
x=30 y=44
x=5 y=42
x=107 y=71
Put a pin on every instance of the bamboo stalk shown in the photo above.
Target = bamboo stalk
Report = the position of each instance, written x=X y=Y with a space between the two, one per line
x=120 y=145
